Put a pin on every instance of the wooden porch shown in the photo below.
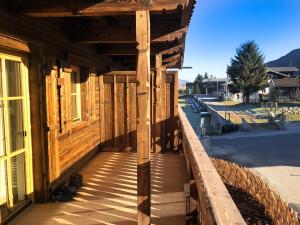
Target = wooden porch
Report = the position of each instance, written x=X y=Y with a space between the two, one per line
x=109 y=194
x=97 y=78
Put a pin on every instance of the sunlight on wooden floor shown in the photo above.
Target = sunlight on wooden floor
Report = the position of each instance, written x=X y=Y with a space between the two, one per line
x=109 y=194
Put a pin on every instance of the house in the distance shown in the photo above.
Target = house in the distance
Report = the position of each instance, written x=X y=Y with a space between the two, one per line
x=283 y=83
x=214 y=86
x=282 y=72
x=285 y=90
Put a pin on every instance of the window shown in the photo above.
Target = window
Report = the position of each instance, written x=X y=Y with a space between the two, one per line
x=75 y=94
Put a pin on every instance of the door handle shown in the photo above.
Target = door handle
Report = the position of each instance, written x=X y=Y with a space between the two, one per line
x=23 y=133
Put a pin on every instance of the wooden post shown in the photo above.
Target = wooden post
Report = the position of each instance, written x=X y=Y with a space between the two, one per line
x=163 y=131
x=102 y=111
x=127 y=112
x=175 y=118
x=115 y=122
x=143 y=117
x=158 y=103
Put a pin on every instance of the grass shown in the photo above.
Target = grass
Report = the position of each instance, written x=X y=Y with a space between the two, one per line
x=231 y=103
x=181 y=102
x=289 y=104
x=293 y=117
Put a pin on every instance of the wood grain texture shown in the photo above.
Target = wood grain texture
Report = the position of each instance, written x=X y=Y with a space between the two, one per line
x=143 y=117
x=215 y=203
x=52 y=123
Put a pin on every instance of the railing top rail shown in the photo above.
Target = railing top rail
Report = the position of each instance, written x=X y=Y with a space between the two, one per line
x=222 y=206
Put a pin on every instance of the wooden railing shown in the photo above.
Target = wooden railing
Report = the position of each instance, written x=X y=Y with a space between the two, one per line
x=209 y=201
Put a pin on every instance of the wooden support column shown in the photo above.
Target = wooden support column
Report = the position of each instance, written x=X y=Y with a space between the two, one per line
x=127 y=112
x=158 y=103
x=143 y=118
x=163 y=130
x=115 y=122
x=175 y=119
x=102 y=112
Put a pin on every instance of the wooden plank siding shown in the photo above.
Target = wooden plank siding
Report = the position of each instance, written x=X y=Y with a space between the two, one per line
x=73 y=118
x=109 y=110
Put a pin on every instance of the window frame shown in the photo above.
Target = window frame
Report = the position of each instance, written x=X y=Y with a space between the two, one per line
x=92 y=96
x=76 y=70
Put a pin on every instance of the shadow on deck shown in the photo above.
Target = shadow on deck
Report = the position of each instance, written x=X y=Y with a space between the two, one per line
x=109 y=194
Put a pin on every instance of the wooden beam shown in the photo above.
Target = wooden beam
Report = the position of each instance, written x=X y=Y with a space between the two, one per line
x=172 y=58
x=175 y=64
x=121 y=35
x=11 y=43
x=175 y=35
x=72 y=8
x=130 y=49
x=143 y=118
x=172 y=50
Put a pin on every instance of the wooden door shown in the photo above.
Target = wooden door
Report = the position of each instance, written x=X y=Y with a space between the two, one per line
x=15 y=138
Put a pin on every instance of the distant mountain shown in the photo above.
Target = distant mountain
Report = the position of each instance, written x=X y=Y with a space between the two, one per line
x=181 y=83
x=291 y=59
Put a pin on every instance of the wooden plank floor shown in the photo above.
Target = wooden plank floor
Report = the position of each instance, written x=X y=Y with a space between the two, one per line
x=109 y=194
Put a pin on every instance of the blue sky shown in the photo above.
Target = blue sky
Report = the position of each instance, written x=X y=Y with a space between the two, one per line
x=218 y=27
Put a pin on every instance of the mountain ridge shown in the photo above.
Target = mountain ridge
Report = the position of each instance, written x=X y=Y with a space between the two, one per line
x=290 y=59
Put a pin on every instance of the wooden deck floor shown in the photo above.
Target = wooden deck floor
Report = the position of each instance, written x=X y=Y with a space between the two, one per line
x=109 y=194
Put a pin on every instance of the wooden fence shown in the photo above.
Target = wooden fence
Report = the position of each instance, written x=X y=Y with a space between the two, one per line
x=208 y=196
x=253 y=184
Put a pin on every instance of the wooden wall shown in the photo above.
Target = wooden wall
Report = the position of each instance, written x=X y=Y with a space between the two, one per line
x=120 y=111
x=47 y=53
x=108 y=116
x=165 y=110
x=108 y=104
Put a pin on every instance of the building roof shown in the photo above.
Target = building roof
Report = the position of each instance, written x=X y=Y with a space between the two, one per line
x=288 y=82
x=278 y=73
x=214 y=80
x=284 y=69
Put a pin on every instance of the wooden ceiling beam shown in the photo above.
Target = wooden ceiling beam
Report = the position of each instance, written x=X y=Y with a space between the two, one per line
x=127 y=36
x=75 y=8
x=172 y=58
x=130 y=49
x=174 y=64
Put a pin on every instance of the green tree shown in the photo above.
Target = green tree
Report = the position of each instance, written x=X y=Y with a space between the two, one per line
x=205 y=75
x=247 y=70
x=197 y=83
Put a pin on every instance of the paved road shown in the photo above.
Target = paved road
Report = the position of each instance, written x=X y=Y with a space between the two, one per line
x=275 y=155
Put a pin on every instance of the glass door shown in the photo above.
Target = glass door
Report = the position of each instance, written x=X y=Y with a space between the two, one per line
x=15 y=155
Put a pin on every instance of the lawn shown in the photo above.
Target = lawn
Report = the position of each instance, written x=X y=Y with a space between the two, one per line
x=252 y=113
x=181 y=102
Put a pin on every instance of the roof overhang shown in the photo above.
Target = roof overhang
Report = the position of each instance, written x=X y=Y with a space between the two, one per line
x=109 y=25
